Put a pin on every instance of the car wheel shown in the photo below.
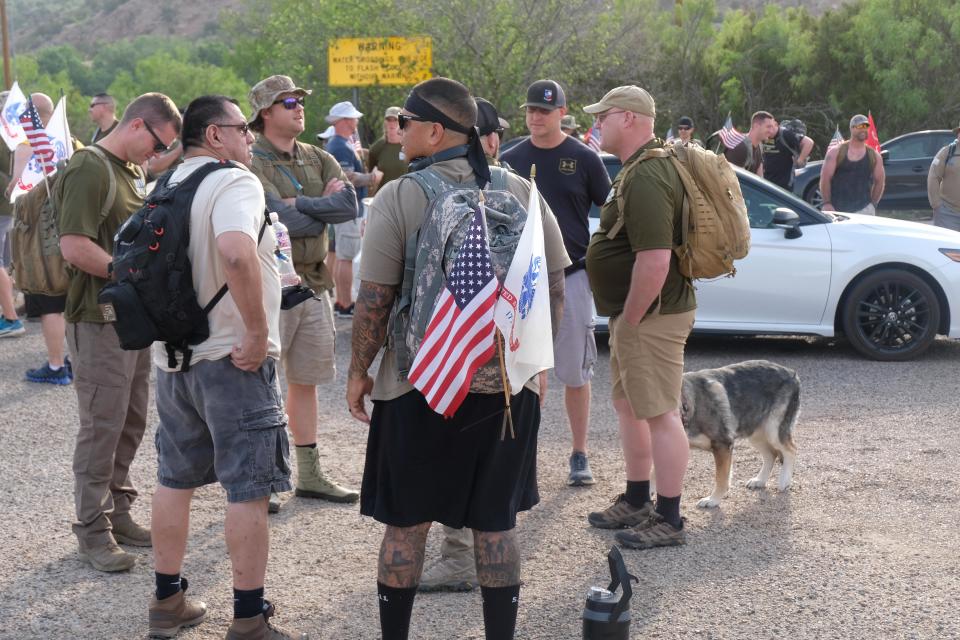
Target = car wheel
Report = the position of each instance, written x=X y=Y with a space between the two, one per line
x=891 y=315
x=813 y=195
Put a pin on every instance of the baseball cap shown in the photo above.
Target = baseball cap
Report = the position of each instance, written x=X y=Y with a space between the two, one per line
x=568 y=122
x=488 y=120
x=327 y=133
x=342 y=110
x=391 y=112
x=546 y=94
x=263 y=93
x=628 y=98
x=858 y=120
x=685 y=121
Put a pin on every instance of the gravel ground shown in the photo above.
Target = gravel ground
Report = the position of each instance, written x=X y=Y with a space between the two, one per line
x=863 y=546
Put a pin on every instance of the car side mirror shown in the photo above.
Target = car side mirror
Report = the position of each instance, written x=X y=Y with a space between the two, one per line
x=885 y=155
x=788 y=219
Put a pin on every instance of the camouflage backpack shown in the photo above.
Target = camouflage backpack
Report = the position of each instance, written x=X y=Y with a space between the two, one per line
x=430 y=252
x=715 y=229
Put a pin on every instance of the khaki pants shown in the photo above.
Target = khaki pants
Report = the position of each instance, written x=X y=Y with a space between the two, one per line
x=112 y=393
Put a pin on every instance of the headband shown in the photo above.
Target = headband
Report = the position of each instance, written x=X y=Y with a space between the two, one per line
x=475 y=154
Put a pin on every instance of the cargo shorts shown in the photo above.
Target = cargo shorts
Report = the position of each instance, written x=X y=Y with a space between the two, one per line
x=218 y=423
x=575 y=347
x=308 y=341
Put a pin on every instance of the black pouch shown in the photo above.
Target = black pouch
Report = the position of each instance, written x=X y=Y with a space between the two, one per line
x=121 y=305
x=294 y=295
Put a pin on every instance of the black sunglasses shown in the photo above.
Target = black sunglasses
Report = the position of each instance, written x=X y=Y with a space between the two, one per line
x=290 y=103
x=683 y=128
x=159 y=147
x=244 y=127
x=403 y=119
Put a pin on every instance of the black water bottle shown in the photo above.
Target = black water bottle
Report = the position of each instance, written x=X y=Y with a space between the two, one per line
x=606 y=615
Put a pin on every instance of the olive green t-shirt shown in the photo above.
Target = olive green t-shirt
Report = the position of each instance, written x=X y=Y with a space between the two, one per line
x=80 y=195
x=653 y=199
x=386 y=157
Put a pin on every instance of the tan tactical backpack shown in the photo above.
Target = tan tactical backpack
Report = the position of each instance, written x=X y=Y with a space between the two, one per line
x=715 y=227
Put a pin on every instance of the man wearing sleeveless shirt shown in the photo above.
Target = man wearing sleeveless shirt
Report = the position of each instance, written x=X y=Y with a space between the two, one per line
x=852 y=177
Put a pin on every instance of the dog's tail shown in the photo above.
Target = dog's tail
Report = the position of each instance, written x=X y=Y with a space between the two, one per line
x=790 y=416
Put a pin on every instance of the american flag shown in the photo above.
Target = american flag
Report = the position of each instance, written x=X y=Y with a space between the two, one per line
x=836 y=140
x=670 y=137
x=357 y=145
x=38 y=138
x=592 y=138
x=460 y=335
x=729 y=135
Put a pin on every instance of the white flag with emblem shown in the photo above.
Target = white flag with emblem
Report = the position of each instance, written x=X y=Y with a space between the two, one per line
x=10 y=129
x=522 y=312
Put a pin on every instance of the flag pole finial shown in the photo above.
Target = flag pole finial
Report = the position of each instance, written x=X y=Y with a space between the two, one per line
x=533 y=171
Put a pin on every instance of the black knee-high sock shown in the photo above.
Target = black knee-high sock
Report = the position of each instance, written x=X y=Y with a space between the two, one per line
x=500 y=605
x=638 y=492
x=168 y=584
x=669 y=508
x=396 y=605
x=247 y=603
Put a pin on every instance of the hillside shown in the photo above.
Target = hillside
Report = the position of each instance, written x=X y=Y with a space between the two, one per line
x=86 y=23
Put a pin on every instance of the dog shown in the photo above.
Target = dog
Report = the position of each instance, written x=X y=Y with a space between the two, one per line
x=757 y=400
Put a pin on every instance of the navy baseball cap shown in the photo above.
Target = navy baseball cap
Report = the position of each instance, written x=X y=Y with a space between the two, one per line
x=545 y=94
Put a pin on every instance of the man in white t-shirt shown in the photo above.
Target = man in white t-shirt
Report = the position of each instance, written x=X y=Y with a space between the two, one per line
x=222 y=419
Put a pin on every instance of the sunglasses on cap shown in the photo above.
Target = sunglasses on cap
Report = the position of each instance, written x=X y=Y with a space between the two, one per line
x=403 y=119
x=159 y=146
x=290 y=103
x=864 y=125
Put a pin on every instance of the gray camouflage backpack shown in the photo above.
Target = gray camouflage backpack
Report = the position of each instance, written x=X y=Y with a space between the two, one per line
x=430 y=252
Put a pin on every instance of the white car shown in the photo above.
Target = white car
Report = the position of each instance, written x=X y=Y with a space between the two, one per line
x=889 y=286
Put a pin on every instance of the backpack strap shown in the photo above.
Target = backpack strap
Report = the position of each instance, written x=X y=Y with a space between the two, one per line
x=624 y=172
x=112 y=179
x=951 y=151
x=223 y=290
x=276 y=163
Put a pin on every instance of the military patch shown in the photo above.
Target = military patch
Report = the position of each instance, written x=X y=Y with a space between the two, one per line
x=568 y=166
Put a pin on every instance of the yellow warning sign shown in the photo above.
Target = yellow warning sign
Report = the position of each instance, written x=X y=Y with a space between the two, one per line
x=361 y=62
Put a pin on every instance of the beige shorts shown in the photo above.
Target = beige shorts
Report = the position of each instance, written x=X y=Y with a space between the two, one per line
x=646 y=361
x=307 y=339
x=349 y=239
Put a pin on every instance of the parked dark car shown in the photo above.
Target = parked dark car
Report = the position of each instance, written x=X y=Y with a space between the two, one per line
x=906 y=160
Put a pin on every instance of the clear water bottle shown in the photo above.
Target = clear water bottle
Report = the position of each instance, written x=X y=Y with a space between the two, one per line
x=284 y=253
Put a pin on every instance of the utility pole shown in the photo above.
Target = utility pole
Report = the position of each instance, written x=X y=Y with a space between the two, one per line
x=6 y=45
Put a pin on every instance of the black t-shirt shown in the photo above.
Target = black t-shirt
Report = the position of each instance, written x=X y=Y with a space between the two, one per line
x=778 y=157
x=571 y=177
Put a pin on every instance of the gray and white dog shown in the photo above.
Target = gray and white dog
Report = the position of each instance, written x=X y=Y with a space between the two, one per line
x=757 y=400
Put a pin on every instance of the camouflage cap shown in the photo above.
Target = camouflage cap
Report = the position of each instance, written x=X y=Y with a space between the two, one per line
x=263 y=93
x=628 y=98
x=391 y=112
x=569 y=122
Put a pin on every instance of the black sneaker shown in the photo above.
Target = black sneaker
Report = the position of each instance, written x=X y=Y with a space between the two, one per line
x=343 y=312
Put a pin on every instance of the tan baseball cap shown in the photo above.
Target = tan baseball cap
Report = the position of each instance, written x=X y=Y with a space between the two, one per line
x=266 y=91
x=391 y=112
x=628 y=98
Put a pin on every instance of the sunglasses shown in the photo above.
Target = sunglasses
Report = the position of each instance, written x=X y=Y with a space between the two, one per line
x=600 y=117
x=290 y=103
x=865 y=125
x=158 y=147
x=403 y=119
x=244 y=128
x=683 y=128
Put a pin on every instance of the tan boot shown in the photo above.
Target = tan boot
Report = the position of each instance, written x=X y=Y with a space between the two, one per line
x=456 y=568
x=312 y=482
x=126 y=531
x=107 y=556
x=258 y=628
x=170 y=615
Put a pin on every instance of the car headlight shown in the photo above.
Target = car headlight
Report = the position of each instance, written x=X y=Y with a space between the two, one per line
x=953 y=254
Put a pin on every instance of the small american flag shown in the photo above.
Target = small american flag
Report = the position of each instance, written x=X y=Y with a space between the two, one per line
x=593 y=138
x=836 y=140
x=460 y=335
x=38 y=138
x=730 y=137
x=670 y=139
x=357 y=145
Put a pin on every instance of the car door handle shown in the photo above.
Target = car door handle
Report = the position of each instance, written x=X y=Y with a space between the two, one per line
x=918 y=169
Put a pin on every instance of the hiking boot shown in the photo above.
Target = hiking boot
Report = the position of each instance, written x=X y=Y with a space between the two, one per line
x=126 y=531
x=11 y=328
x=171 y=614
x=258 y=628
x=655 y=532
x=450 y=573
x=48 y=375
x=312 y=482
x=620 y=514
x=580 y=474
x=107 y=556
x=273 y=506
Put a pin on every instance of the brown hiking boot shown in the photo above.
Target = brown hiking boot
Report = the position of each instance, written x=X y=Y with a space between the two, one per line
x=171 y=614
x=620 y=514
x=258 y=628
x=655 y=532
x=107 y=556
x=126 y=531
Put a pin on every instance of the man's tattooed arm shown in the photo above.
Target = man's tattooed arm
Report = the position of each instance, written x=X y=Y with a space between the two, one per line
x=370 y=318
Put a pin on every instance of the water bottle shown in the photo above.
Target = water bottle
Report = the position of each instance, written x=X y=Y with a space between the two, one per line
x=284 y=253
x=606 y=615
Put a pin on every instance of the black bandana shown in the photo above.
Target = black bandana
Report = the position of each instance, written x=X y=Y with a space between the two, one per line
x=475 y=155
